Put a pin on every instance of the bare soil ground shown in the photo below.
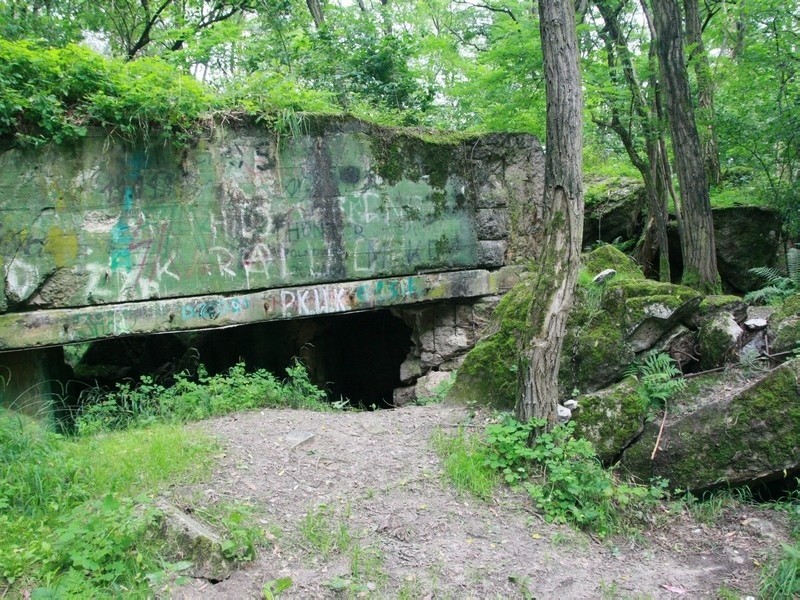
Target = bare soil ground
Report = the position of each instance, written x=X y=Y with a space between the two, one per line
x=414 y=536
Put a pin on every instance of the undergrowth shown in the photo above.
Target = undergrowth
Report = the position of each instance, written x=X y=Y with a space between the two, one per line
x=188 y=399
x=561 y=474
x=76 y=515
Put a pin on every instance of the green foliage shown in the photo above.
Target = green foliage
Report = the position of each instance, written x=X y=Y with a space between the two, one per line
x=75 y=514
x=658 y=379
x=782 y=580
x=138 y=405
x=778 y=286
x=55 y=93
x=324 y=533
x=508 y=450
x=238 y=525
x=571 y=486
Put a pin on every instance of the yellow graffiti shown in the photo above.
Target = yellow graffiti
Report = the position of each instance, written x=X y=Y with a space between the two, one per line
x=62 y=246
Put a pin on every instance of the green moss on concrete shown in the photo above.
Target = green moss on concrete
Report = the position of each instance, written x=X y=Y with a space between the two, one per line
x=716 y=340
x=719 y=302
x=729 y=441
x=595 y=352
x=488 y=375
x=610 y=419
x=400 y=156
x=608 y=257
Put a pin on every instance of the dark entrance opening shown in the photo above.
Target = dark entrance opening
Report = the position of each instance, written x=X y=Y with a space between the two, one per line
x=354 y=357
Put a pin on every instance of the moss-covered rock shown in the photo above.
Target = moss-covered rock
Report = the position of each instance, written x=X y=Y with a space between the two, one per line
x=608 y=257
x=613 y=210
x=719 y=339
x=595 y=351
x=488 y=375
x=751 y=435
x=610 y=419
x=784 y=325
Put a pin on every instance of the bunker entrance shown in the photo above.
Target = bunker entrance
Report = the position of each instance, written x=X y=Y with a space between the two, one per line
x=354 y=357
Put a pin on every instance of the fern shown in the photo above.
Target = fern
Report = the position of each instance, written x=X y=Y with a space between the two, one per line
x=777 y=286
x=658 y=377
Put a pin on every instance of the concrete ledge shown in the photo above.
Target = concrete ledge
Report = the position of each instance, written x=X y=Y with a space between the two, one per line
x=71 y=325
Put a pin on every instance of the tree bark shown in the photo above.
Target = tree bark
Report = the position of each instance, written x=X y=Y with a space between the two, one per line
x=557 y=267
x=694 y=209
x=705 y=91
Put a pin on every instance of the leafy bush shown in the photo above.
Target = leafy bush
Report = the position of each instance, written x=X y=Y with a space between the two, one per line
x=138 y=405
x=55 y=93
x=564 y=477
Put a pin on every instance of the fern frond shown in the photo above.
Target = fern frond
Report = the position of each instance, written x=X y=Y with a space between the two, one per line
x=768 y=274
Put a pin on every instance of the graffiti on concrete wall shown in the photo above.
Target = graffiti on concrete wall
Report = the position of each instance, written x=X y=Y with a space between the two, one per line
x=244 y=214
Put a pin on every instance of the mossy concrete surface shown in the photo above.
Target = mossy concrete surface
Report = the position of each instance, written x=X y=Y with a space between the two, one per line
x=597 y=346
x=611 y=419
x=784 y=325
x=753 y=434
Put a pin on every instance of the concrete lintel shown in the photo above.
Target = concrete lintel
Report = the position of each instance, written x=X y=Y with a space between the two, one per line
x=65 y=326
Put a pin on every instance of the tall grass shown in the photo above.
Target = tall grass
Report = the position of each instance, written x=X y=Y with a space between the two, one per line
x=75 y=514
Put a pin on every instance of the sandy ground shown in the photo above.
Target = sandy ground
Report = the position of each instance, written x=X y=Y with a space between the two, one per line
x=416 y=537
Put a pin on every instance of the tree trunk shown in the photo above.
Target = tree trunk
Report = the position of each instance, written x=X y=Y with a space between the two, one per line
x=315 y=8
x=705 y=91
x=557 y=267
x=694 y=210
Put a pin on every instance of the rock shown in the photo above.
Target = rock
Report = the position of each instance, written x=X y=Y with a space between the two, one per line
x=679 y=343
x=719 y=340
x=755 y=324
x=428 y=386
x=610 y=419
x=603 y=275
x=297 y=438
x=659 y=317
x=746 y=237
x=613 y=210
x=188 y=539
x=410 y=369
x=608 y=257
x=571 y=404
x=404 y=395
x=488 y=375
x=753 y=434
x=783 y=326
x=563 y=414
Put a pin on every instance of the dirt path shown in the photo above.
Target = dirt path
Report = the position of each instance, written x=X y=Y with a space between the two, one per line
x=412 y=536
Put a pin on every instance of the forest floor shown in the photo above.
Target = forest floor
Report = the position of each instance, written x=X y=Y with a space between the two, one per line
x=362 y=509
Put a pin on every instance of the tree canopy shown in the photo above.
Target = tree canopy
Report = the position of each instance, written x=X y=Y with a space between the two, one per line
x=459 y=64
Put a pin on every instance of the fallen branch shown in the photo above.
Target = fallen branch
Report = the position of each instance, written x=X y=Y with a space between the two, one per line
x=660 y=431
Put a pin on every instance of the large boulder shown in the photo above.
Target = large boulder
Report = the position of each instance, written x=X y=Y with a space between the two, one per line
x=613 y=210
x=750 y=435
x=746 y=237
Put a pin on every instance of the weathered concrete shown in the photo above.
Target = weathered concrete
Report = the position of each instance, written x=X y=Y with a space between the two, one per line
x=67 y=326
x=102 y=239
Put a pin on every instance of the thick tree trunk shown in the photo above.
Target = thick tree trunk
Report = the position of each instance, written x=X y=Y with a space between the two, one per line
x=557 y=267
x=694 y=211
x=705 y=91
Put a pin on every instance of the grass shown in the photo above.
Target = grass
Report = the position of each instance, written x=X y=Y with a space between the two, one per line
x=464 y=459
x=77 y=513
x=326 y=534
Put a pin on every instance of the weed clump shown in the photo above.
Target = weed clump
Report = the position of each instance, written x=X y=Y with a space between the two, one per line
x=192 y=399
